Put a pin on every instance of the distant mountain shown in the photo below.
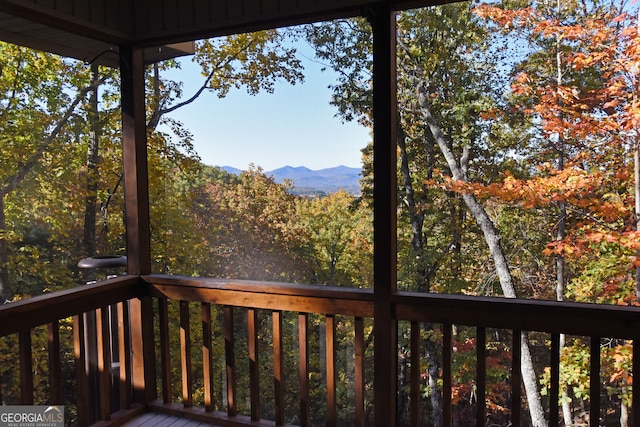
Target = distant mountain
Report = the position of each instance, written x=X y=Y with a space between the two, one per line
x=314 y=182
x=231 y=170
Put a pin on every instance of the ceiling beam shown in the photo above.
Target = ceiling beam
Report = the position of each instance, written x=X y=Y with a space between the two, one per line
x=64 y=22
x=68 y=50
x=277 y=18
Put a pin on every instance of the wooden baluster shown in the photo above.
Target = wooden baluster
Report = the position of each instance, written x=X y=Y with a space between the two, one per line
x=303 y=369
x=278 y=367
x=516 y=377
x=254 y=366
x=207 y=355
x=447 y=348
x=554 y=389
x=143 y=357
x=26 y=367
x=330 y=352
x=104 y=362
x=124 y=349
x=55 y=367
x=82 y=385
x=165 y=349
x=185 y=352
x=481 y=375
x=594 y=383
x=414 y=380
x=359 y=370
x=635 y=373
x=230 y=357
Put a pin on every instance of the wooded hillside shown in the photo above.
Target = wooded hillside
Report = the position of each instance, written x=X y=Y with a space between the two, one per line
x=518 y=174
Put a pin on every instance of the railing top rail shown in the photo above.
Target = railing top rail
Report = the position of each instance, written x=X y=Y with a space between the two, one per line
x=533 y=315
x=520 y=314
x=256 y=286
x=40 y=310
x=265 y=295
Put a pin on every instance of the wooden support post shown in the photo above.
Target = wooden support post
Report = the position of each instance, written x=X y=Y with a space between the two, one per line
x=383 y=23
x=134 y=156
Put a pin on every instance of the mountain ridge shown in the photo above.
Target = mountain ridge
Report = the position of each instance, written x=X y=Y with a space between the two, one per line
x=314 y=182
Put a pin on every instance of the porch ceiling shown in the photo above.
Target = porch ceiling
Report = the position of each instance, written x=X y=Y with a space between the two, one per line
x=83 y=29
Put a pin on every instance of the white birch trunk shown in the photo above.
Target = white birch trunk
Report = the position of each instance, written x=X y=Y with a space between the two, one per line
x=492 y=238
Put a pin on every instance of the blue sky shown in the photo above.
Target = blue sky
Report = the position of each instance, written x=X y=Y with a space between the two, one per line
x=294 y=126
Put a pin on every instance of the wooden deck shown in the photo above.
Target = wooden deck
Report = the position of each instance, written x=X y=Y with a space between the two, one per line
x=153 y=419
x=167 y=396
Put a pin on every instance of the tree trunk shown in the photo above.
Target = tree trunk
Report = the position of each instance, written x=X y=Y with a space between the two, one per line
x=456 y=215
x=624 y=414
x=93 y=146
x=500 y=262
x=416 y=218
x=433 y=372
x=562 y=219
x=530 y=381
x=636 y=170
x=560 y=282
x=422 y=274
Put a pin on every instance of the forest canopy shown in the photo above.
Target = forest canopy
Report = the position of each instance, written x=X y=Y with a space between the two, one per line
x=518 y=164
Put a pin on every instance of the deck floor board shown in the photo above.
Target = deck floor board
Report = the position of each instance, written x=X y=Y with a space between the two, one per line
x=151 y=419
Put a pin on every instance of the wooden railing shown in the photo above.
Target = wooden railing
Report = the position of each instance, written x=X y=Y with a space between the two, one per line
x=594 y=322
x=272 y=300
x=208 y=346
x=74 y=329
